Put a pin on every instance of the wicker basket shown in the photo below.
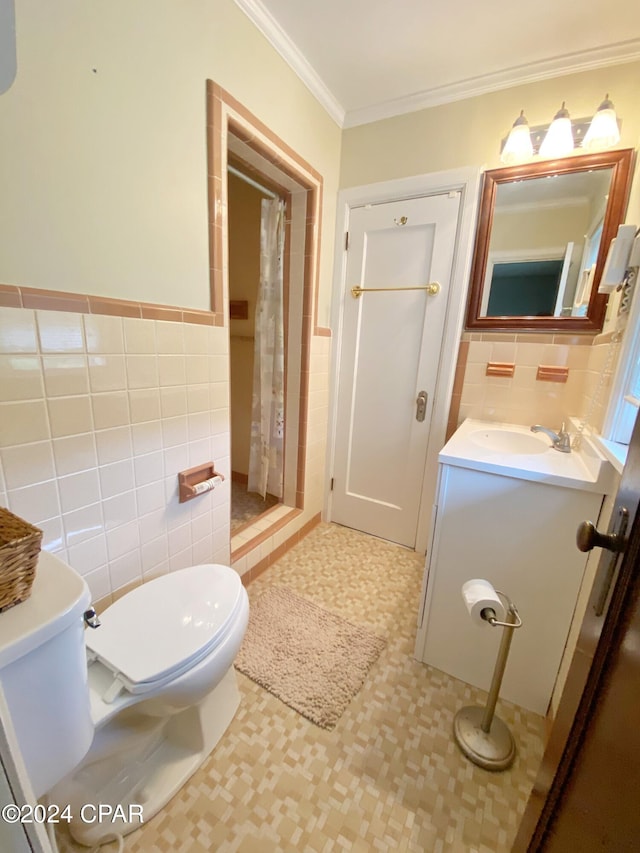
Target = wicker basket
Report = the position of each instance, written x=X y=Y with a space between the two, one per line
x=19 y=550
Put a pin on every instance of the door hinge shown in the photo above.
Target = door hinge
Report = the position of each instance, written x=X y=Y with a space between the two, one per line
x=331 y=485
x=346 y=240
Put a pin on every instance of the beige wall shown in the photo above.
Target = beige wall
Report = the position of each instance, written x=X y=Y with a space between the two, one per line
x=103 y=144
x=468 y=133
x=103 y=171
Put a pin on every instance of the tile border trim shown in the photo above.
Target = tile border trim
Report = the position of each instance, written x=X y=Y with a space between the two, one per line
x=253 y=573
x=16 y=296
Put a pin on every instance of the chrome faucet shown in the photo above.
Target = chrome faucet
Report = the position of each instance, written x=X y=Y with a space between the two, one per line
x=561 y=440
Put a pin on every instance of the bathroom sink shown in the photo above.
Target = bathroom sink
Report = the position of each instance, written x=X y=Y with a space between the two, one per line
x=509 y=441
x=512 y=450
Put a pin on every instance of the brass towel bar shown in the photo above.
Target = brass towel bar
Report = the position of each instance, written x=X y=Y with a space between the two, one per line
x=431 y=289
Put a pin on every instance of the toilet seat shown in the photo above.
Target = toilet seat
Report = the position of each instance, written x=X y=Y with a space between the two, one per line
x=161 y=629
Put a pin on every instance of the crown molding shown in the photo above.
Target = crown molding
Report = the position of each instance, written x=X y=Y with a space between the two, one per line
x=586 y=60
x=599 y=57
x=278 y=39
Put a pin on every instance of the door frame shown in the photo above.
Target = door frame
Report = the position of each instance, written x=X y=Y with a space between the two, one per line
x=466 y=181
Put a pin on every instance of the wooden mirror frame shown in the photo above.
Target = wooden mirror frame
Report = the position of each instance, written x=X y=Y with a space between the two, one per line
x=621 y=163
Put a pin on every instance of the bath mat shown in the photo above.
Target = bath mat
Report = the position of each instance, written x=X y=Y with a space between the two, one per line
x=312 y=660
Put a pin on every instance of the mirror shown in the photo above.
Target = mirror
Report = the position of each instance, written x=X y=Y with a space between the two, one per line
x=543 y=234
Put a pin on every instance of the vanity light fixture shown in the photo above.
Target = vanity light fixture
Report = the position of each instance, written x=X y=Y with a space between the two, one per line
x=562 y=136
x=603 y=131
x=518 y=146
x=559 y=138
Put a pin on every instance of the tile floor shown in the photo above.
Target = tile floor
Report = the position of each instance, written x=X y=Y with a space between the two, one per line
x=388 y=777
x=247 y=506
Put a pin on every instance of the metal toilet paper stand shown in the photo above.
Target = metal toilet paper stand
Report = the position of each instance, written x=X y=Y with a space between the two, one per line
x=481 y=736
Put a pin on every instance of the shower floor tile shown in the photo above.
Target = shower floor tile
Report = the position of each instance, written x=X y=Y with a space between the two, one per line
x=388 y=777
x=247 y=506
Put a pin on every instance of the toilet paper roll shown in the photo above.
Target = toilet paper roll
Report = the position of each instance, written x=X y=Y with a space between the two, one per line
x=479 y=594
x=207 y=485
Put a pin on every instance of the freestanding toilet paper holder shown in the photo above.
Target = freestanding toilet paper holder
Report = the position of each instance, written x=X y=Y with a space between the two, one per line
x=482 y=736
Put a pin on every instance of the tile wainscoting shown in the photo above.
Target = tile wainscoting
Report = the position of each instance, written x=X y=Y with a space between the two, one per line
x=99 y=413
x=533 y=393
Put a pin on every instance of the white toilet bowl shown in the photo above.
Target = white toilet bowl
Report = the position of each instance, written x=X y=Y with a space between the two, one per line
x=162 y=692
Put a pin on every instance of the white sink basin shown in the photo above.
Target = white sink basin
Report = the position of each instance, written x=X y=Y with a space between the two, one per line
x=512 y=450
x=510 y=441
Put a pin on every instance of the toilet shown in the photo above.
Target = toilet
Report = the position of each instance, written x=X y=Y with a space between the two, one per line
x=158 y=688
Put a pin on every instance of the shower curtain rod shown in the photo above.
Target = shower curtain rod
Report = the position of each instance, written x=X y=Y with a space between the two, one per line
x=251 y=182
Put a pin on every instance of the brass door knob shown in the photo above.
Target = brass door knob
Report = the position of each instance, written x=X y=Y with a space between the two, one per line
x=588 y=537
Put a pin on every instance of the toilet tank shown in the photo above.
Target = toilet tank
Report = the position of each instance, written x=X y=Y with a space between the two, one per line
x=43 y=673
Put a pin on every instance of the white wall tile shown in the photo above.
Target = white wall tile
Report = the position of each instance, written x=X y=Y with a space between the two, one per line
x=65 y=375
x=174 y=431
x=107 y=373
x=144 y=405
x=196 y=339
x=125 y=570
x=121 y=540
x=119 y=510
x=27 y=464
x=154 y=553
x=103 y=333
x=69 y=415
x=173 y=401
x=89 y=555
x=128 y=403
x=78 y=490
x=179 y=539
x=149 y=468
x=114 y=445
x=197 y=369
x=99 y=583
x=18 y=331
x=75 y=453
x=150 y=497
x=146 y=437
x=175 y=459
x=110 y=409
x=198 y=398
x=116 y=478
x=60 y=331
x=172 y=370
x=142 y=371
x=35 y=503
x=169 y=337
x=83 y=523
x=139 y=335
x=20 y=378
x=23 y=422
x=53 y=536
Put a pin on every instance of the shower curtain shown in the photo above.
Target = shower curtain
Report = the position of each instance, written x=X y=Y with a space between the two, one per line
x=267 y=409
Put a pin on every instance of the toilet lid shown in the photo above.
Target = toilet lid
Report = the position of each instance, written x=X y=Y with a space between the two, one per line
x=164 y=624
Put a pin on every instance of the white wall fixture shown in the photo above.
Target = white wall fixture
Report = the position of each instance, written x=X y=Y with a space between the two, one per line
x=603 y=131
x=518 y=146
x=559 y=138
x=562 y=136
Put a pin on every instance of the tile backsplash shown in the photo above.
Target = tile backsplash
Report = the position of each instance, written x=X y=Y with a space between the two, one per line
x=98 y=414
x=529 y=395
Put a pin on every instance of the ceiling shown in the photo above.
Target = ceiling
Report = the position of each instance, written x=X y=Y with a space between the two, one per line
x=371 y=59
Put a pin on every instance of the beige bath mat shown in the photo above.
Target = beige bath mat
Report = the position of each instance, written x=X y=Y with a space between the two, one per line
x=311 y=659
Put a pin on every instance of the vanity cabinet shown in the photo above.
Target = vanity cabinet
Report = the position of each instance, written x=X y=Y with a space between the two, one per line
x=519 y=534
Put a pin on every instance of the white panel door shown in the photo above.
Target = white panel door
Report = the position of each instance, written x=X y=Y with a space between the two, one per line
x=390 y=350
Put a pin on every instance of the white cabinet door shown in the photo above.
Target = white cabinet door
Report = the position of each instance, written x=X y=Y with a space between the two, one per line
x=520 y=536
